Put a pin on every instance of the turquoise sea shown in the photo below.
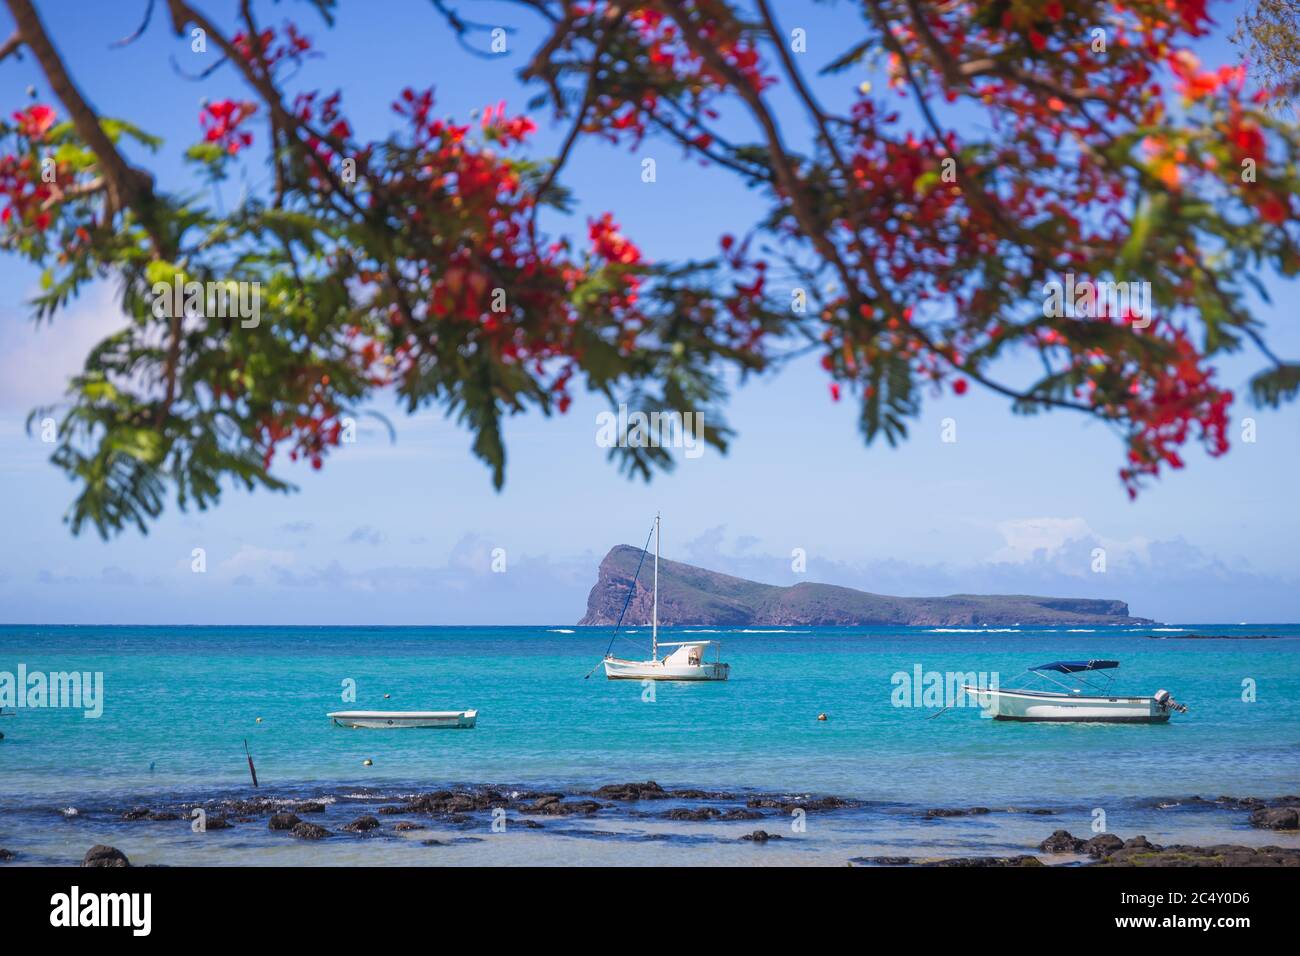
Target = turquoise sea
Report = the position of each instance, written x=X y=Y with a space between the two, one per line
x=180 y=702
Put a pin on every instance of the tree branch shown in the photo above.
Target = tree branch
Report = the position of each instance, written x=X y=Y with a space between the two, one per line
x=588 y=100
x=12 y=45
x=787 y=176
x=128 y=187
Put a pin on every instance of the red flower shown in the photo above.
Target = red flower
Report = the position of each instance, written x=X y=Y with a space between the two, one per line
x=610 y=244
x=35 y=121
x=220 y=121
x=1274 y=210
x=1193 y=15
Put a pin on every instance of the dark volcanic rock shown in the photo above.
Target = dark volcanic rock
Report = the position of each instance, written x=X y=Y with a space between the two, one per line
x=1102 y=844
x=6 y=855
x=250 y=807
x=1279 y=818
x=962 y=861
x=712 y=813
x=283 y=821
x=883 y=860
x=1139 y=851
x=216 y=823
x=762 y=836
x=310 y=831
x=460 y=801
x=393 y=811
x=558 y=808
x=809 y=804
x=632 y=791
x=702 y=795
x=101 y=855
x=144 y=813
x=1111 y=851
x=1062 y=841
x=940 y=812
x=406 y=825
x=361 y=825
x=1219 y=855
x=311 y=807
x=1023 y=860
x=691 y=595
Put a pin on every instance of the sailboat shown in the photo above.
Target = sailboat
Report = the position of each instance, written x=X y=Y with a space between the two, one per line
x=685 y=662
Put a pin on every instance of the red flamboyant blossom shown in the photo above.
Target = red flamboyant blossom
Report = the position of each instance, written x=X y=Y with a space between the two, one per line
x=26 y=192
x=35 y=121
x=221 y=120
x=269 y=47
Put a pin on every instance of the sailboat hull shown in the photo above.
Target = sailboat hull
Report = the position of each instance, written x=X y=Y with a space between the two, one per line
x=617 y=669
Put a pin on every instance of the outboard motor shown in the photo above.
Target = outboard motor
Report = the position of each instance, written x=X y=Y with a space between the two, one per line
x=1167 y=702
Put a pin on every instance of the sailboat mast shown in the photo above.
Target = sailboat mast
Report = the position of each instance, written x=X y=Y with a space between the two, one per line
x=654 y=619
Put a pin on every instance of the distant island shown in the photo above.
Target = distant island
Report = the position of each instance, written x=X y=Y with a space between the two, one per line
x=695 y=596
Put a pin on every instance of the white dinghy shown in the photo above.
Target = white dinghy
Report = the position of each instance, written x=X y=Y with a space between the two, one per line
x=685 y=663
x=1071 y=704
x=392 y=719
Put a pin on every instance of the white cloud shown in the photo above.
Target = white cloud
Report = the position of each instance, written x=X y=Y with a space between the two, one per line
x=250 y=559
x=1033 y=539
x=36 y=361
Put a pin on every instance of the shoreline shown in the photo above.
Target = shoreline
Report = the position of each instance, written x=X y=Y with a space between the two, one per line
x=294 y=826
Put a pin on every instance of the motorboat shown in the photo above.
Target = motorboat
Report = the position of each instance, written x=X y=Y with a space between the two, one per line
x=1072 y=703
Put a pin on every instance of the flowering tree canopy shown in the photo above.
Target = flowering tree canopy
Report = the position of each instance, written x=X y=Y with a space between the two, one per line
x=1019 y=146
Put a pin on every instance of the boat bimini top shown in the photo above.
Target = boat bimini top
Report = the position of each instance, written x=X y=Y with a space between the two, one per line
x=1074 y=684
x=1073 y=667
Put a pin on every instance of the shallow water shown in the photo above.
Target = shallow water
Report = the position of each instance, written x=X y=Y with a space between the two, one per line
x=179 y=703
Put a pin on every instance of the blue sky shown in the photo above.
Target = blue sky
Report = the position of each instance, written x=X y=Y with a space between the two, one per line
x=403 y=532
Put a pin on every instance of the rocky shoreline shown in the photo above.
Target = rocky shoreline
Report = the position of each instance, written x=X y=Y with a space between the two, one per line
x=1109 y=850
x=476 y=807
